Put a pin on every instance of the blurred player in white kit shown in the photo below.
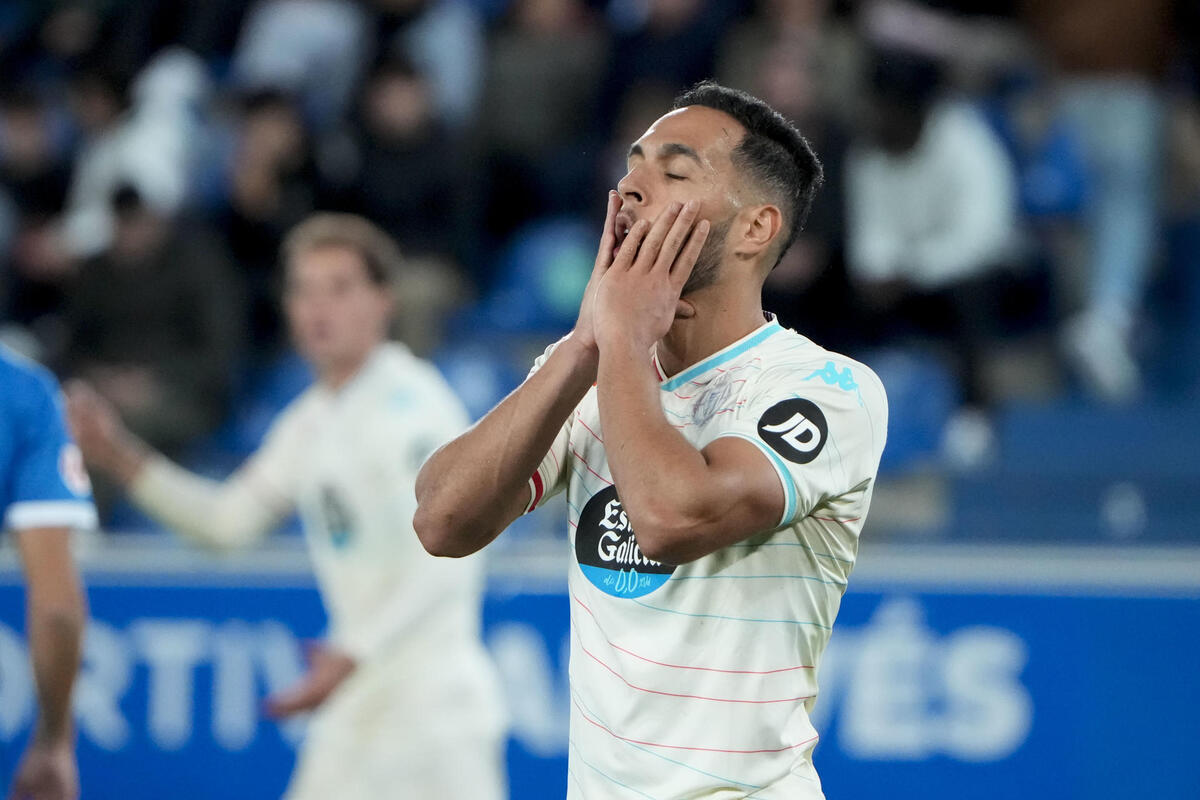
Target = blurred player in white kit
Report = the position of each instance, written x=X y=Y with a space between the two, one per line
x=407 y=701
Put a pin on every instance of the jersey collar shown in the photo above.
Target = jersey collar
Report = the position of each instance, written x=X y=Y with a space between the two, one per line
x=752 y=339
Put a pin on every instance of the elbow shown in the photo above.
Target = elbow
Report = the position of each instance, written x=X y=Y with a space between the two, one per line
x=431 y=531
x=665 y=547
x=440 y=533
x=667 y=535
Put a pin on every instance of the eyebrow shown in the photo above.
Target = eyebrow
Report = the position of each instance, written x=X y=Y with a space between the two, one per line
x=666 y=151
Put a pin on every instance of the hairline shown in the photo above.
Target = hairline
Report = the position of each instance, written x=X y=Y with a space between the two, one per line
x=380 y=257
x=745 y=180
x=799 y=213
x=307 y=248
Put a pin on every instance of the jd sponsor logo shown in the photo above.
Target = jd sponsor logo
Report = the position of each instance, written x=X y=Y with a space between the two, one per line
x=608 y=552
x=795 y=428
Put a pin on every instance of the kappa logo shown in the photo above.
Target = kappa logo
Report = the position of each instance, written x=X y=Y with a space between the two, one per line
x=794 y=428
x=843 y=379
x=608 y=553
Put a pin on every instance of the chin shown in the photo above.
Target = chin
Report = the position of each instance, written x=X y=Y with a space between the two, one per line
x=315 y=354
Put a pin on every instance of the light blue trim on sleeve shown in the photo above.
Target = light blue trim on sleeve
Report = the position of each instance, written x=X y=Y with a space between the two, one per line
x=791 y=499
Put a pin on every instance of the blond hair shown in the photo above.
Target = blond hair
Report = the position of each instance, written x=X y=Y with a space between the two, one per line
x=378 y=251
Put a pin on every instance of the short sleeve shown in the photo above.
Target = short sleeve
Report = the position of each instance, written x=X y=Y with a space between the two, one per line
x=48 y=486
x=820 y=428
x=550 y=477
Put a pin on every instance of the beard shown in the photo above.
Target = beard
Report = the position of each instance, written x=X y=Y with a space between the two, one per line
x=708 y=265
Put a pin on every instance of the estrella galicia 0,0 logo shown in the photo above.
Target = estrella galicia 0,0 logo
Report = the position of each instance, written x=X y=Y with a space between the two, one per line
x=608 y=553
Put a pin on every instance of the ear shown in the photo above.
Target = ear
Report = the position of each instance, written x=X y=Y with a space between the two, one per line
x=389 y=300
x=760 y=228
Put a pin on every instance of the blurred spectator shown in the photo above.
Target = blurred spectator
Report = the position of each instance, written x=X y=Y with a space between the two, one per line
x=41 y=41
x=931 y=206
x=787 y=67
x=834 y=59
x=1052 y=180
x=668 y=42
x=34 y=175
x=137 y=134
x=1109 y=56
x=400 y=168
x=1185 y=163
x=1187 y=23
x=539 y=107
x=33 y=169
x=142 y=28
x=312 y=49
x=445 y=40
x=155 y=324
x=970 y=37
x=1045 y=148
x=271 y=184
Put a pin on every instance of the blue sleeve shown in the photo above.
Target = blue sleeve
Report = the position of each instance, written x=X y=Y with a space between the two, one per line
x=47 y=485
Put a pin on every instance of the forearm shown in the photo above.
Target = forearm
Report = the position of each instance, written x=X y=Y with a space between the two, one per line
x=220 y=515
x=55 y=635
x=662 y=479
x=474 y=486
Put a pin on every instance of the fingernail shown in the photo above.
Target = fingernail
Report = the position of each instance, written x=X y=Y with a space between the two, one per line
x=692 y=205
x=676 y=208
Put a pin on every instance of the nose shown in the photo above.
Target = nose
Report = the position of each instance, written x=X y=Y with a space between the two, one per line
x=630 y=188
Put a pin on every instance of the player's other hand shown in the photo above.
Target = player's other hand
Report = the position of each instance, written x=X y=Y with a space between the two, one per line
x=327 y=668
x=637 y=299
x=47 y=772
x=102 y=438
x=585 y=332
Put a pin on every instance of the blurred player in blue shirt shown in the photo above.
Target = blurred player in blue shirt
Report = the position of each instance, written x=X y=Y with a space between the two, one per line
x=44 y=494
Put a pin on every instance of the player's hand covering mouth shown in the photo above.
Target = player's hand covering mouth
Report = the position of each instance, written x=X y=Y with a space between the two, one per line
x=622 y=225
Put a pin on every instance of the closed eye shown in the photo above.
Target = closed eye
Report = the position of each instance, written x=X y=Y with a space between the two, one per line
x=674 y=177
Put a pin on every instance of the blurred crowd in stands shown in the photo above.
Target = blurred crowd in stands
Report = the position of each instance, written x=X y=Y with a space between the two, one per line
x=1012 y=207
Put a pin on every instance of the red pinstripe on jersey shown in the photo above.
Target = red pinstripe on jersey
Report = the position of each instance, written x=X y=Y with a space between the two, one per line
x=615 y=646
x=615 y=735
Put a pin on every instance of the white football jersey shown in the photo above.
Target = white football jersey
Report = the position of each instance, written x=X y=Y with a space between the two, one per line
x=348 y=460
x=697 y=680
x=422 y=711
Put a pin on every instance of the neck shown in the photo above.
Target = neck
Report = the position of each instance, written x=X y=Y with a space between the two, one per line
x=722 y=314
x=335 y=375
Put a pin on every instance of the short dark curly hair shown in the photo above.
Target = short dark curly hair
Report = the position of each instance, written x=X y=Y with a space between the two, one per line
x=773 y=154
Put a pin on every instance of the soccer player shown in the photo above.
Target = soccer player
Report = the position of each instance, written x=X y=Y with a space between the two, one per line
x=407 y=700
x=44 y=495
x=717 y=466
